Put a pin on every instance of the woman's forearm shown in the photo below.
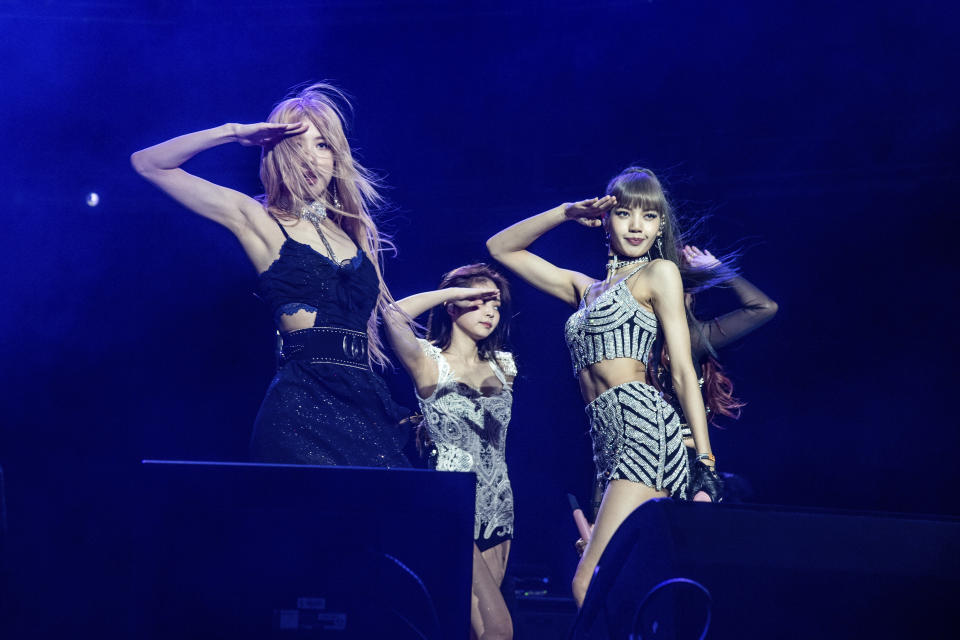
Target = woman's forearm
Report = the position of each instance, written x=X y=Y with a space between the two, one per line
x=750 y=296
x=521 y=235
x=420 y=303
x=688 y=393
x=400 y=315
x=176 y=151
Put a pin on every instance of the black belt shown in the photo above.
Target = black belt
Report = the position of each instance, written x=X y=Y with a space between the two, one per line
x=331 y=345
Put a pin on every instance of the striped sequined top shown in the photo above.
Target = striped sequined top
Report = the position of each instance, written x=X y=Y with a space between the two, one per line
x=614 y=325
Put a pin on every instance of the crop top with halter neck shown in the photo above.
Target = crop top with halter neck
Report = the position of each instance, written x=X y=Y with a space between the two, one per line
x=614 y=325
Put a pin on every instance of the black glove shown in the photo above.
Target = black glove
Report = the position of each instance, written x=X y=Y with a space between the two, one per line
x=706 y=479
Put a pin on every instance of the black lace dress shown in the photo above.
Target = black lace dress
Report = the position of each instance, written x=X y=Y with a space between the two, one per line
x=325 y=413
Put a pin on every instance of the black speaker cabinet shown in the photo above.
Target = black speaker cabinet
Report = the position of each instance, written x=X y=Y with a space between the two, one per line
x=288 y=551
x=770 y=572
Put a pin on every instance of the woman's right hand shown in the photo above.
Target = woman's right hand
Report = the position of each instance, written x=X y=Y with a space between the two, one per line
x=589 y=212
x=266 y=134
x=581 y=545
x=469 y=296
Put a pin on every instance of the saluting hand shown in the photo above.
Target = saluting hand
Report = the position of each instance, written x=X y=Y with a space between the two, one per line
x=466 y=297
x=589 y=212
x=267 y=134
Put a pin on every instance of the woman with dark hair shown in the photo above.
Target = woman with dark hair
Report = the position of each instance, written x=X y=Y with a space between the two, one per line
x=637 y=443
x=706 y=337
x=464 y=383
x=317 y=250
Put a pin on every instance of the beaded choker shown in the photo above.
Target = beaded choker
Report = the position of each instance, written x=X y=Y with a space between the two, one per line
x=615 y=264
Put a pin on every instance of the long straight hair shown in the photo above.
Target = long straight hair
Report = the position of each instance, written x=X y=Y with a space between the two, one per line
x=349 y=197
x=639 y=187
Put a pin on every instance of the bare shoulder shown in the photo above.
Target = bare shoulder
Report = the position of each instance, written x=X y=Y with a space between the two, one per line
x=663 y=275
x=662 y=268
x=660 y=276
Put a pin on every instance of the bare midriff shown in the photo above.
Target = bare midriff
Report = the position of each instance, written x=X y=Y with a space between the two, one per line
x=301 y=319
x=607 y=374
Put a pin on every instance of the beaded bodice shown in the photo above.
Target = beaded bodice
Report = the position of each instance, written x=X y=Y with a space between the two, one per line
x=614 y=325
x=469 y=430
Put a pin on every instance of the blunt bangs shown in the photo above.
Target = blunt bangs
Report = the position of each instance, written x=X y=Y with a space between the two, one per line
x=638 y=188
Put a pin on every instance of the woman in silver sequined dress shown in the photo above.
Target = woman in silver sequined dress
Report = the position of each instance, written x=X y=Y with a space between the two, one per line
x=638 y=447
x=464 y=384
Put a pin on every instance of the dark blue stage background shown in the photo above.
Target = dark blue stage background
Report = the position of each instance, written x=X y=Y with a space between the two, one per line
x=821 y=137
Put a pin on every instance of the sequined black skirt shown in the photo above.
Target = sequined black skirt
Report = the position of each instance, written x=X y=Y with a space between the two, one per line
x=329 y=414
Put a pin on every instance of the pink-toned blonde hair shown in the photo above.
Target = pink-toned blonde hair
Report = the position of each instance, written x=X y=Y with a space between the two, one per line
x=285 y=174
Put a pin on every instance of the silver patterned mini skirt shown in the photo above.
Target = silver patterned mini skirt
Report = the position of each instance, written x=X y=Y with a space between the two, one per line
x=636 y=436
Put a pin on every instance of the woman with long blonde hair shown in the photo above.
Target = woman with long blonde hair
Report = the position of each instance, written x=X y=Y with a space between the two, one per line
x=314 y=243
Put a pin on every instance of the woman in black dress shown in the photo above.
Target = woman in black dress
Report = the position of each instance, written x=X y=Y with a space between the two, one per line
x=316 y=249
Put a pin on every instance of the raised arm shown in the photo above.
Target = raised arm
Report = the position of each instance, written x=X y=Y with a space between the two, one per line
x=423 y=369
x=509 y=248
x=756 y=308
x=160 y=164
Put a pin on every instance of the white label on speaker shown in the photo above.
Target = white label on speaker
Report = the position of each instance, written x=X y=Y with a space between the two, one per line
x=315 y=604
x=335 y=621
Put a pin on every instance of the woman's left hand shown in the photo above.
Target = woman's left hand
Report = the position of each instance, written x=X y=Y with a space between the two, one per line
x=697 y=258
x=706 y=480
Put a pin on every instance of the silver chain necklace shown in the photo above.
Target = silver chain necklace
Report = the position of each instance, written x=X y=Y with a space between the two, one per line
x=616 y=264
x=315 y=213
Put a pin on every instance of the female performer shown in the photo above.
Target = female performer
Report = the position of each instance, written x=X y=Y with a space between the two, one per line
x=464 y=383
x=706 y=337
x=316 y=249
x=756 y=309
x=638 y=448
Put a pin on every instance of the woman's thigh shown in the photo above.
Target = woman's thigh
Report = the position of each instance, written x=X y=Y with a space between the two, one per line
x=496 y=559
x=621 y=498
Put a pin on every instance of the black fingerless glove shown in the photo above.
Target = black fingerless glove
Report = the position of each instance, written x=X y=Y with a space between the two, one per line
x=706 y=479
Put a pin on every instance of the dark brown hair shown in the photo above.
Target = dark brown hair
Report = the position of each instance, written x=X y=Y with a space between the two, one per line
x=439 y=324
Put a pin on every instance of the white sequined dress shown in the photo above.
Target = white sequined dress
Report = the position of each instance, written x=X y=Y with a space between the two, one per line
x=469 y=430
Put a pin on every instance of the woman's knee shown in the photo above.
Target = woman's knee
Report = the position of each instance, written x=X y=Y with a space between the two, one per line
x=499 y=630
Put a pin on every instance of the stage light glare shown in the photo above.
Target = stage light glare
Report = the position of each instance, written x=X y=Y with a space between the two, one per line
x=93 y=199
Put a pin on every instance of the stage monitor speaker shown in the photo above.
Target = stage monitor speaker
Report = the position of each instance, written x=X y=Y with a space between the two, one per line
x=674 y=568
x=290 y=551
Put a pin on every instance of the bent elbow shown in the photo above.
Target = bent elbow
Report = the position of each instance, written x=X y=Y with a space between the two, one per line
x=493 y=248
x=139 y=163
x=770 y=309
